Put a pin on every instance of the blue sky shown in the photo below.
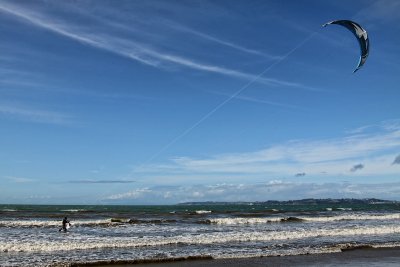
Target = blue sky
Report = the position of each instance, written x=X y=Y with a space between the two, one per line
x=158 y=102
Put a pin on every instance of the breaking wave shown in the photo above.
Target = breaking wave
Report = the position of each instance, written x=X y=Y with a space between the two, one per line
x=39 y=223
x=189 y=239
x=240 y=220
x=74 y=210
x=222 y=221
x=202 y=211
x=145 y=221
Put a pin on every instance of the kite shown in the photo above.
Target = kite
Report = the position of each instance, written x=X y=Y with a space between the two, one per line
x=362 y=37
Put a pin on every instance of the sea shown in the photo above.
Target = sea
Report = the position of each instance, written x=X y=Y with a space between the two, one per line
x=104 y=234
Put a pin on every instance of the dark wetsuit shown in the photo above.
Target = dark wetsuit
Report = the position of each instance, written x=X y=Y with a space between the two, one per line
x=64 y=224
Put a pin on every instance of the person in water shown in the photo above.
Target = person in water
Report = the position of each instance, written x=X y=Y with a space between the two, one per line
x=64 y=225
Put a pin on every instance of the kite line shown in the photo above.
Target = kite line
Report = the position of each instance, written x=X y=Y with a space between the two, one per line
x=244 y=87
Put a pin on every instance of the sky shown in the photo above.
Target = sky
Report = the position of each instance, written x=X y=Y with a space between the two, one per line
x=162 y=102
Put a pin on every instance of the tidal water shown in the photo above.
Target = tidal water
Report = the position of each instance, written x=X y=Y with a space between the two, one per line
x=30 y=236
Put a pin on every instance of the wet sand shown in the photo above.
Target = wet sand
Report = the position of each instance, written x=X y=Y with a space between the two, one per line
x=382 y=257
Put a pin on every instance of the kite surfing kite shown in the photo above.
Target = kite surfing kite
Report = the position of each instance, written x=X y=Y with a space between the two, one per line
x=362 y=37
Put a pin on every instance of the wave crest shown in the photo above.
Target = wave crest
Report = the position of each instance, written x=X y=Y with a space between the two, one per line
x=240 y=220
x=189 y=239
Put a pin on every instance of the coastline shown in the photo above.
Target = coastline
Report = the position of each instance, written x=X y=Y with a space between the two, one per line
x=387 y=257
x=241 y=235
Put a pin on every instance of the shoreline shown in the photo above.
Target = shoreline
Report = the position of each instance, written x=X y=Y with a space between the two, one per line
x=351 y=257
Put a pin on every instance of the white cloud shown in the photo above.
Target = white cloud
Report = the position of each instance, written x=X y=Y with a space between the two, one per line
x=272 y=190
x=381 y=10
x=134 y=194
x=34 y=115
x=146 y=53
x=258 y=100
x=333 y=157
x=20 y=180
x=93 y=181
x=208 y=37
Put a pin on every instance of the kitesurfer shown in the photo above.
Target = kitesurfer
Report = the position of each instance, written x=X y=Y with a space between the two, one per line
x=65 y=223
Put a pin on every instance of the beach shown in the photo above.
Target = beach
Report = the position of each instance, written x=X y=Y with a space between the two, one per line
x=241 y=234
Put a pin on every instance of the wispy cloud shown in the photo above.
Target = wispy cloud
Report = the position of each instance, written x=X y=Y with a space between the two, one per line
x=20 y=180
x=258 y=100
x=100 y=41
x=272 y=190
x=381 y=10
x=332 y=157
x=130 y=48
x=208 y=37
x=88 y=181
x=134 y=194
x=34 y=115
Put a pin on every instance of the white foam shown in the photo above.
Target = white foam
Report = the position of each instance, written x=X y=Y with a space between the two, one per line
x=285 y=252
x=203 y=211
x=393 y=216
x=231 y=221
x=239 y=220
x=77 y=242
x=73 y=210
x=38 y=223
x=298 y=251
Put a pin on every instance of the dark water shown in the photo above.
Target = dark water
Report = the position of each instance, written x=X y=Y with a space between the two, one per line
x=29 y=233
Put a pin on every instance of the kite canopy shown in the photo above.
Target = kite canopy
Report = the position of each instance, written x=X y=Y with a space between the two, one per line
x=362 y=37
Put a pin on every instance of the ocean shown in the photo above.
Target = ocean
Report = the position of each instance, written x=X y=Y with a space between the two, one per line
x=29 y=234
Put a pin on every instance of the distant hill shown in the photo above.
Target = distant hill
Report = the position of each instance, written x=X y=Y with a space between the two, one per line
x=308 y=201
